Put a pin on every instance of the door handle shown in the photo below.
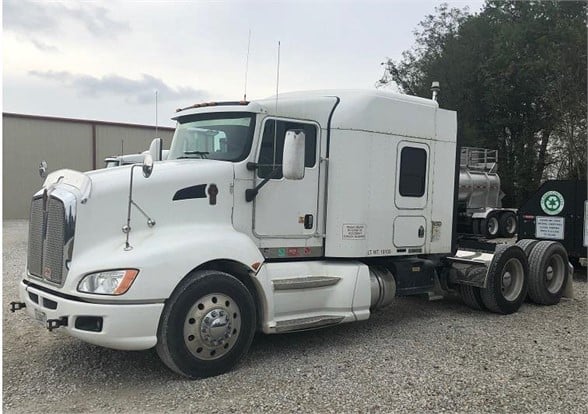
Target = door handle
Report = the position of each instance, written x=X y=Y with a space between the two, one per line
x=308 y=221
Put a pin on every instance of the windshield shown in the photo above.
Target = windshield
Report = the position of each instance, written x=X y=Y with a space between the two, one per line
x=219 y=136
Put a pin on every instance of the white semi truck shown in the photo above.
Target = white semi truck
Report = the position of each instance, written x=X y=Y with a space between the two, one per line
x=295 y=213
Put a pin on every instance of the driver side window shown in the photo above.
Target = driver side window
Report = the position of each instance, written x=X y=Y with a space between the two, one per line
x=272 y=146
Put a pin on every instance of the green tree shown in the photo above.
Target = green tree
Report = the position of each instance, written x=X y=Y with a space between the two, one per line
x=516 y=74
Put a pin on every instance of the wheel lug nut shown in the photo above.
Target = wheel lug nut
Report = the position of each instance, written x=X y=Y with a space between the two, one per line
x=213 y=314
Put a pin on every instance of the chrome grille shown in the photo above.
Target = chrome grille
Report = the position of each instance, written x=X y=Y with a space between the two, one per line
x=51 y=235
x=54 y=241
x=35 y=253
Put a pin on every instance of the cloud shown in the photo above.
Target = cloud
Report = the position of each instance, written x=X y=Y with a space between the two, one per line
x=36 y=17
x=42 y=46
x=139 y=91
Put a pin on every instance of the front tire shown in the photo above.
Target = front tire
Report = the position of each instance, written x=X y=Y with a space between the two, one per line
x=506 y=286
x=207 y=325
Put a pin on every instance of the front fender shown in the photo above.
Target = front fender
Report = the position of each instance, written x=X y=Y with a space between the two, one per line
x=164 y=257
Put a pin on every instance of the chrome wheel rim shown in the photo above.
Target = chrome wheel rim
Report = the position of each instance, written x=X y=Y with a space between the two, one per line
x=212 y=326
x=555 y=273
x=512 y=279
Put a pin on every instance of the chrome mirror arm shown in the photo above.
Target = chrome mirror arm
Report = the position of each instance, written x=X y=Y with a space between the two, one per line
x=127 y=227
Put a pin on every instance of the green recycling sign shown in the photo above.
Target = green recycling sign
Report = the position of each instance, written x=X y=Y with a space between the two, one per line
x=552 y=203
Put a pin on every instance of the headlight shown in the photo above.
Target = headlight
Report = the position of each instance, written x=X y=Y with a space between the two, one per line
x=111 y=282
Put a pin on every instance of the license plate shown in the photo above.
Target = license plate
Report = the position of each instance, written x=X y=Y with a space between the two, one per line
x=40 y=316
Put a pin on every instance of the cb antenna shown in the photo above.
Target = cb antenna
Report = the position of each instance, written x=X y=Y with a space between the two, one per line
x=156 y=113
x=278 y=76
x=247 y=66
x=277 y=89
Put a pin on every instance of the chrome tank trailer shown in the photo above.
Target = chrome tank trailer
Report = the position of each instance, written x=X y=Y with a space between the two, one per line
x=479 y=189
x=480 y=209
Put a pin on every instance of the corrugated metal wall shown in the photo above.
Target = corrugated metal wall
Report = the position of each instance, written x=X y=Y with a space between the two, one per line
x=63 y=143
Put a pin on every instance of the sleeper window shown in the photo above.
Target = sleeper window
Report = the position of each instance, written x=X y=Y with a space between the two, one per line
x=413 y=172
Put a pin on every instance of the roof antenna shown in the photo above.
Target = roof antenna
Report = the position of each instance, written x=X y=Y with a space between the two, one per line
x=435 y=88
x=156 y=113
x=247 y=66
x=278 y=76
x=277 y=89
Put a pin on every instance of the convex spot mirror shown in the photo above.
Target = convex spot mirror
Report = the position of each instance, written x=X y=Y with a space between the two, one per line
x=147 y=165
x=293 y=159
x=43 y=169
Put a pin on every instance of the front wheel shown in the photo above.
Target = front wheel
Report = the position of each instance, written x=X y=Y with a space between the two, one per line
x=207 y=325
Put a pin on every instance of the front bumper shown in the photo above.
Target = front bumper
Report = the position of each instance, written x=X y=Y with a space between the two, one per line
x=124 y=326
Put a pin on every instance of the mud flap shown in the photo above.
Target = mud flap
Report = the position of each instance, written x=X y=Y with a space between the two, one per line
x=568 y=291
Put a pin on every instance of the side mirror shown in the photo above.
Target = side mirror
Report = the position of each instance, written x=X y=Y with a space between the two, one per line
x=43 y=169
x=293 y=157
x=147 y=165
x=155 y=149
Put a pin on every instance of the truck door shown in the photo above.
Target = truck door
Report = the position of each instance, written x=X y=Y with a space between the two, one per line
x=412 y=169
x=287 y=209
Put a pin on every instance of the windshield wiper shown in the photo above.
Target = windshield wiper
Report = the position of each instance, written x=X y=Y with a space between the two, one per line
x=202 y=154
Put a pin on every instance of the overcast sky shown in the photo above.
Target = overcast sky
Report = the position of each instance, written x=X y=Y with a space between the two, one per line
x=104 y=60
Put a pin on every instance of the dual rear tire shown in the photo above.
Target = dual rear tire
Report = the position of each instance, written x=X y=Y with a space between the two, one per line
x=496 y=224
x=549 y=272
x=538 y=269
x=506 y=287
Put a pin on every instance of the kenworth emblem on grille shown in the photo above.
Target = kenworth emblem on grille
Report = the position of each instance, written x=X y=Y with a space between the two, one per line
x=47 y=272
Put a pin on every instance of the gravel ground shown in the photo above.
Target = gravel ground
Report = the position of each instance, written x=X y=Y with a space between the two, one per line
x=415 y=356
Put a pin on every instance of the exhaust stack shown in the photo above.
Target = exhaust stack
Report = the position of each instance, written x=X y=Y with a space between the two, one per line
x=435 y=88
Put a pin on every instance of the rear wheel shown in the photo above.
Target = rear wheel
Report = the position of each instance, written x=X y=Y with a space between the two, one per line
x=549 y=272
x=527 y=245
x=508 y=224
x=207 y=325
x=476 y=227
x=489 y=227
x=471 y=297
x=506 y=285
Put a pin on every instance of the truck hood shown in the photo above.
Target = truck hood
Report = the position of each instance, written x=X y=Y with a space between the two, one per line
x=179 y=193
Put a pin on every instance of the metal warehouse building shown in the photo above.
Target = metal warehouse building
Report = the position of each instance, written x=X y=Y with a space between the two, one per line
x=77 y=144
